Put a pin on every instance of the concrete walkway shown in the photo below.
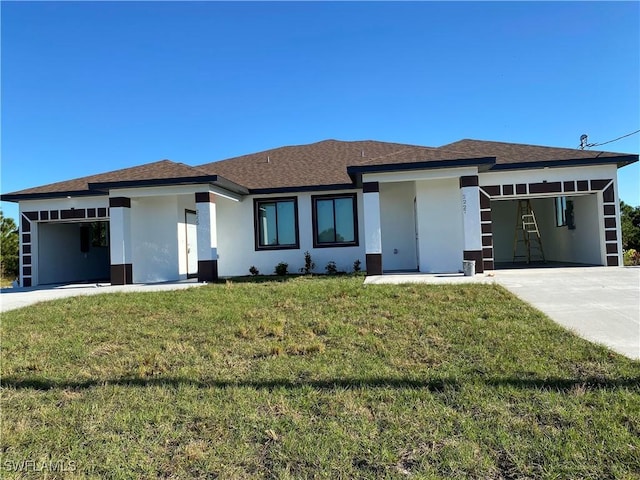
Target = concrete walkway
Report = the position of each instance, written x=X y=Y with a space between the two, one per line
x=12 y=298
x=601 y=304
x=431 y=278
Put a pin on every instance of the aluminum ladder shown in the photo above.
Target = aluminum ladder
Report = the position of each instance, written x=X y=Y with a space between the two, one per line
x=527 y=234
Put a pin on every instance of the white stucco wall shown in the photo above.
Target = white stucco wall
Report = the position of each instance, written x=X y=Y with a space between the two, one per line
x=236 y=245
x=580 y=245
x=440 y=230
x=398 y=226
x=154 y=239
x=61 y=259
x=587 y=212
x=120 y=239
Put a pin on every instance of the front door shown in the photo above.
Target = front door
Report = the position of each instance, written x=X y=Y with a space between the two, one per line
x=192 y=243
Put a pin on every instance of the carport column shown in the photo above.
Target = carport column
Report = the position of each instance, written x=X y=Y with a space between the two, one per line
x=372 y=235
x=120 y=240
x=471 y=220
x=207 y=237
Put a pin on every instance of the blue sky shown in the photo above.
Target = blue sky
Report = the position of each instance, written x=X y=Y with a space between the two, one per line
x=89 y=87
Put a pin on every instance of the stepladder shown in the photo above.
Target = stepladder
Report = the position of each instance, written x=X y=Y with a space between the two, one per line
x=527 y=243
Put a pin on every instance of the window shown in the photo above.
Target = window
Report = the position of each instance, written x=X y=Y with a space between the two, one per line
x=99 y=234
x=276 y=223
x=94 y=234
x=561 y=211
x=335 y=221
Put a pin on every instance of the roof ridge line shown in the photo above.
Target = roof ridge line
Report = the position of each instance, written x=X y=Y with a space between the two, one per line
x=524 y=145
x=397 y=152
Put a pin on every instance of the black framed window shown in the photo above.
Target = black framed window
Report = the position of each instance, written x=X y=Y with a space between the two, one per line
x=335 y=220
x=276 y=223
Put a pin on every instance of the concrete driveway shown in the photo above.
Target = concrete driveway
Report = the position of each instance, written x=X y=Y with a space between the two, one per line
x=12 y=298
x=601 y=304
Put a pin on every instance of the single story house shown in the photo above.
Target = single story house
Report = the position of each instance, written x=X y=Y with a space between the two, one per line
x=394 y=207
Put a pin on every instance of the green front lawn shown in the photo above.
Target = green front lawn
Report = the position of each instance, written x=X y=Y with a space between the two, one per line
x=313 y=377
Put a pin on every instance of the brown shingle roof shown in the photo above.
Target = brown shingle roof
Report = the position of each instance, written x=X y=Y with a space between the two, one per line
x=513 y=153
x=163 y=169
x=324 y=164
x=412 y=154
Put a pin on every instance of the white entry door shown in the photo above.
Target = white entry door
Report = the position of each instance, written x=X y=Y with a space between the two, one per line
x=192 y=244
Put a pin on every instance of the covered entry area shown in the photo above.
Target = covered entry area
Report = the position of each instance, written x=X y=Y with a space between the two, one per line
x=73 y=252
x=425 y=221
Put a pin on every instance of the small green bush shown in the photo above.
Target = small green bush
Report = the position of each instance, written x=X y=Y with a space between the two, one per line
x=281 y=269
x=357 y=266
x=309 y=265
x=331 y=268
x=253 y=270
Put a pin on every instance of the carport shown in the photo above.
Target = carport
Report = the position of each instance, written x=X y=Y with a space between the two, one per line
x=576 y=219
x=73 y=252
x=568 y=227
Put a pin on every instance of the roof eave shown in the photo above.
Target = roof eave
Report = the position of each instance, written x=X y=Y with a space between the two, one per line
x=18 y=197
x=102 y=188
x=303 y=188
x=620 y=161
x=483 y=163
x=207 y=179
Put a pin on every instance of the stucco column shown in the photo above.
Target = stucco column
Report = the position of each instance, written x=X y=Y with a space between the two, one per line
x=372 y=235
x=120 y=240
x=207 y=237
x=470 y=193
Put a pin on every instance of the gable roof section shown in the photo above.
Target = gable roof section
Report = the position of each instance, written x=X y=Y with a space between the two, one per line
x=163 y=172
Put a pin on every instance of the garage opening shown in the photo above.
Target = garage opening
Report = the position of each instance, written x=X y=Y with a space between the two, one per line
x=73 y=252
x=568 y=227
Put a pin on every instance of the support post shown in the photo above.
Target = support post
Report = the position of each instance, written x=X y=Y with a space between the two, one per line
x=207 y=237
x=372 y=231
x=120 y=240
x=470 y=195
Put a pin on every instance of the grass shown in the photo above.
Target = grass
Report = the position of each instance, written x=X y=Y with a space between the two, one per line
x=312 y=378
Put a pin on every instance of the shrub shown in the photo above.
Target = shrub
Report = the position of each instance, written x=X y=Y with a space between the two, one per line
x=357 y=266
x=9 y=254
x=631 y=257
x=331 y=268
x=281 y=269
x=308 y=264
x=253 y=270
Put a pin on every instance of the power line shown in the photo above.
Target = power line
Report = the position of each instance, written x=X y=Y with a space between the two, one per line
x=583 y=146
